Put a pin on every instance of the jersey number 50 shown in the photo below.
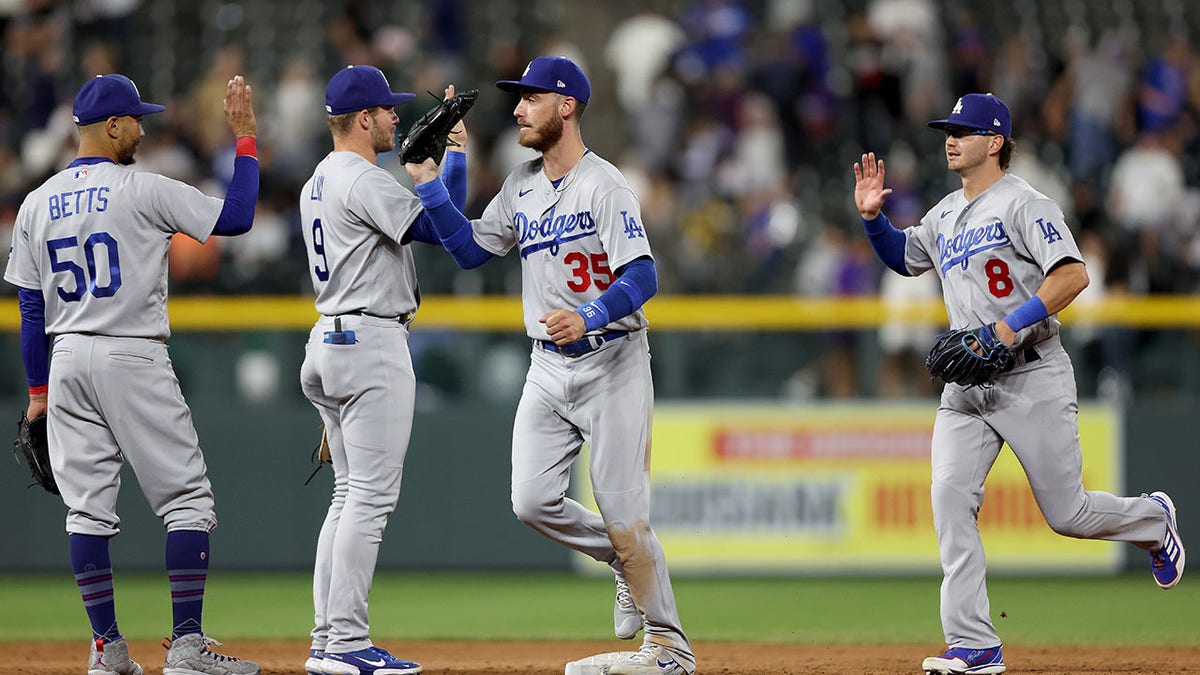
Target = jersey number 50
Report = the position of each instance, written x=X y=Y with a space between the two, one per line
x=89 y=281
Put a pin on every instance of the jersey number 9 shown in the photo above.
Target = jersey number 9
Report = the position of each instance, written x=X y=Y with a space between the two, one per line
x=321 y=268
x=89 y=281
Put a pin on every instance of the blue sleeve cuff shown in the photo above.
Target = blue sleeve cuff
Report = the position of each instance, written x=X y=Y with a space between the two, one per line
x=433 y=194
x=1030 y=312
x=595 y=314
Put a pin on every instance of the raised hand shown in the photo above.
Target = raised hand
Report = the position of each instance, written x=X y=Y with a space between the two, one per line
x=239 y=109
x=457 y=135
x=869 y=193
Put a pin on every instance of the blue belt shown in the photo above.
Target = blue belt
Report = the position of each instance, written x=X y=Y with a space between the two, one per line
x=588 y=343
x=404 y=318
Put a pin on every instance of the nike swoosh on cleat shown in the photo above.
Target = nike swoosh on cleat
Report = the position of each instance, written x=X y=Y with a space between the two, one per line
x=380 y=662
x=668 y=664
x=522 y=193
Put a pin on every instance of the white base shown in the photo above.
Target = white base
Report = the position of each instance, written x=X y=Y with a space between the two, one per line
x=596 y=665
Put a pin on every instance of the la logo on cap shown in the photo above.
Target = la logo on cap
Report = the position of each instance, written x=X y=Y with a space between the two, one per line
x=958 y=108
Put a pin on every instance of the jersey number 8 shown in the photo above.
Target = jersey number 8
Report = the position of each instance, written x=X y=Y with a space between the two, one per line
x=82 y=283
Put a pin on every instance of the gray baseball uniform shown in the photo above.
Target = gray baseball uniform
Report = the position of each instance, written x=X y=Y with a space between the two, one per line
x=358 y=374
x=94 y=239
x=570 y=238
x=992 y=255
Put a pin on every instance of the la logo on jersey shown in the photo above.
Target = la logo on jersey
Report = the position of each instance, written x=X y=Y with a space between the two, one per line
x=1049 y=232
x=957 y=250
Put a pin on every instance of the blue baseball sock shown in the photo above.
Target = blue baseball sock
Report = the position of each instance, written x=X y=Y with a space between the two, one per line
x=187 y=568
x=93 y=575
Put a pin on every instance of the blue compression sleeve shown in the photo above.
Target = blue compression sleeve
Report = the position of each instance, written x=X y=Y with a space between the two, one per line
x=240 y=199
x=887 y=241
x=422 y=230
x=452 y=227
x=454 y=176
x=35 y=344
x=636 y=283
x=1030 y=312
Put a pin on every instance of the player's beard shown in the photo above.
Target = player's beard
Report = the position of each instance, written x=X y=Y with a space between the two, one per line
x=382 y=139
x=125 y=154
x=543 y=138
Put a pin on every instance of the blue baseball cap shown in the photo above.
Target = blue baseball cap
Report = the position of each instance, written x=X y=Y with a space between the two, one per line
x=355 y=88
x=106 y=96
x=978 y=111
x=552 y=73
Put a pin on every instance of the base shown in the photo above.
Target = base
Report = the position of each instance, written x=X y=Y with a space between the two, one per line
x=596 y=665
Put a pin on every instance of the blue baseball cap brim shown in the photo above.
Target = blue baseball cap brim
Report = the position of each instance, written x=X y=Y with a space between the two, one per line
x=552 y=73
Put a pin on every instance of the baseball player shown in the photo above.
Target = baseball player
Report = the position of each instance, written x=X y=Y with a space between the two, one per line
x=90 y=257
x=586 y=271
x=1005 y=257
x=357 y=223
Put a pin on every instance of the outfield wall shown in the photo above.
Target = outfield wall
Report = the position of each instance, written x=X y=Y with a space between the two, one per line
x=238 y=360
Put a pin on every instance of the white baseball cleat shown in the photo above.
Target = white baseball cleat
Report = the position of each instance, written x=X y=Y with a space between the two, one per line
x=652 y=659
x=627 y=620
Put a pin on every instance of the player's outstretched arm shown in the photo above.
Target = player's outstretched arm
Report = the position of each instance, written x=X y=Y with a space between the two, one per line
x=237 y=215
x=869 y=193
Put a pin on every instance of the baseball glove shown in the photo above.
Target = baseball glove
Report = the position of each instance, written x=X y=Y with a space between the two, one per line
x=968 y=356
x=32 y=444
x=428 y=136
x=320 y=455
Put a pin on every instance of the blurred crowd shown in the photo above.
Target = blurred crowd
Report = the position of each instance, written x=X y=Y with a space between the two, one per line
x=738 y=121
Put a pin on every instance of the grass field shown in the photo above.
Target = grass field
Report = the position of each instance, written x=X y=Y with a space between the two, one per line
x=1109 y=611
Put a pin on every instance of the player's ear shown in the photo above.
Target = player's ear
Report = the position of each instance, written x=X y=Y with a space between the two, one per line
x=111 y=126
x=566 y=106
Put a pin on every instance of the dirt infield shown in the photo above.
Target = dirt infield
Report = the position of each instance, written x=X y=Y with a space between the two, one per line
x=549 y=658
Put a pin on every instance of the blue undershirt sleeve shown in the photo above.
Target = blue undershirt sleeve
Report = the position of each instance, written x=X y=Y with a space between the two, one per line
x=888 y=242
x=452 y=227
x=240 y=199
x=454 y=176
x=636 y=283
x=35 y=344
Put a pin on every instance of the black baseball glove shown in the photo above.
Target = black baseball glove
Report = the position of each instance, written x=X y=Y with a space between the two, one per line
x=31 y=442
x=428 y=136
x=968 y=356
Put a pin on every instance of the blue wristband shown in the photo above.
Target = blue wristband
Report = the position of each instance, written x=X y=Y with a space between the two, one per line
x=1032 y=311
x=594 y=313
x=433 y=194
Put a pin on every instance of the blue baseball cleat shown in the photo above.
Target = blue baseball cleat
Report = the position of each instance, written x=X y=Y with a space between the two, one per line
x=369 y=661
x=1167 y=562
x=960 y=660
